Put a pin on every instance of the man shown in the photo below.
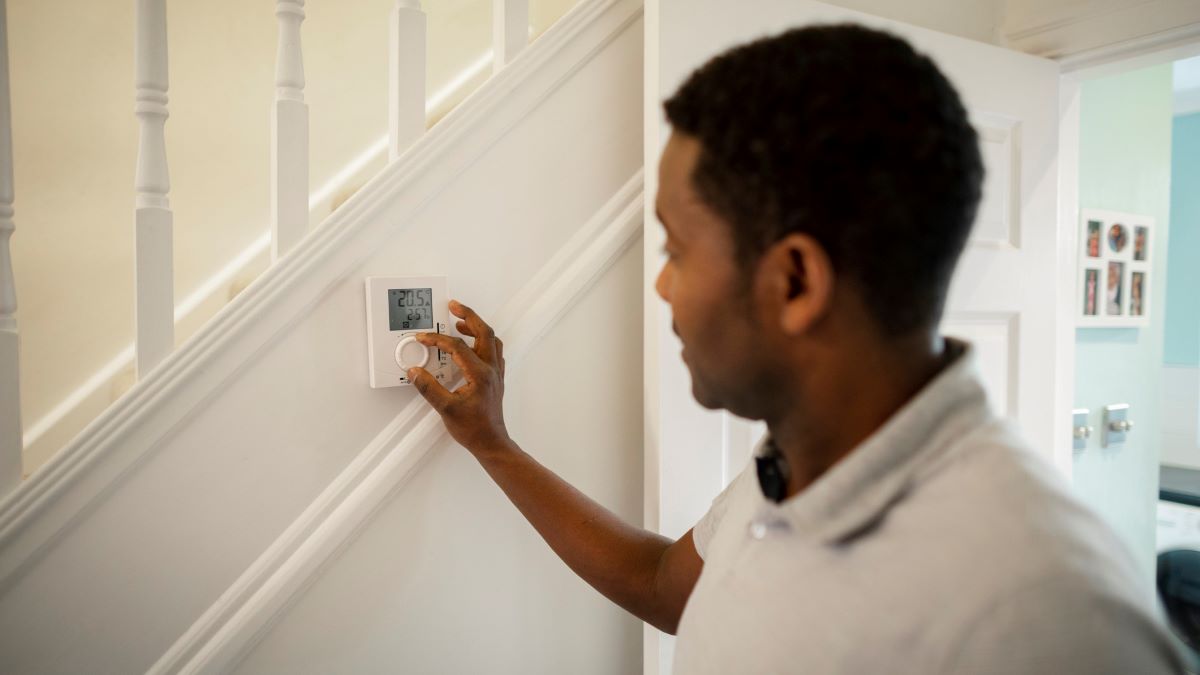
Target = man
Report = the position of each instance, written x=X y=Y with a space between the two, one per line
x=816 y=193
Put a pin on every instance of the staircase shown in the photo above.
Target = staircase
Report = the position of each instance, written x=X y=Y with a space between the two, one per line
x=251 y=505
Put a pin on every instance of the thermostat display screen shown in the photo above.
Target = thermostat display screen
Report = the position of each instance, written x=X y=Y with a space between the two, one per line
x=410 y=308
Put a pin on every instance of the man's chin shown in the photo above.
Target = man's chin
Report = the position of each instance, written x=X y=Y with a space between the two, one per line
x=705 y=398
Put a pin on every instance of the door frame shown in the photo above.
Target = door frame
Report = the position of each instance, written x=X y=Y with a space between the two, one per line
x=1111 y=59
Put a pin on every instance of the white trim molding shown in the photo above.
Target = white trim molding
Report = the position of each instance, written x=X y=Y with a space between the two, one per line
x=1095 y=32
x=78 y=477
x=222 y=636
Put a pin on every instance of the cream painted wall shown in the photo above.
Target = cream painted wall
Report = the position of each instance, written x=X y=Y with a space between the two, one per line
x=75 y=141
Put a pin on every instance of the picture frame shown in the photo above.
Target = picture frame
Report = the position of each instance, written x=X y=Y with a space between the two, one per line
x=1115 y=269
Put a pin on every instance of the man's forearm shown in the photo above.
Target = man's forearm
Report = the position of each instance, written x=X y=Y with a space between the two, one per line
x=617 y=559
x=649 y=575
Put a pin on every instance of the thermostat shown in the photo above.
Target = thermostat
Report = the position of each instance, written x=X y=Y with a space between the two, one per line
x=397 y=309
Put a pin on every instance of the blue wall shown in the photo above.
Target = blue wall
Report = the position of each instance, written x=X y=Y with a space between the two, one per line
x=1125 y=165
x=1181 y=343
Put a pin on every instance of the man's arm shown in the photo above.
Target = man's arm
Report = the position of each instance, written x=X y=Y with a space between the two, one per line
x=645 y=573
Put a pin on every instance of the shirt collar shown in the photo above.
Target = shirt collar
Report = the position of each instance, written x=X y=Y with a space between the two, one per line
x=857 y=491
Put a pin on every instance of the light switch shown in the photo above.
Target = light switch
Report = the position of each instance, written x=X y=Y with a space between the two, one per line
x=1116 y=424
x=1080 y=431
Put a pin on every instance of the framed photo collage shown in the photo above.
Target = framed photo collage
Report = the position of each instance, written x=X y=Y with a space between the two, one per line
x=1114 y=269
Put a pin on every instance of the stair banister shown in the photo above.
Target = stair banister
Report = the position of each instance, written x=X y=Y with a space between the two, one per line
x=510 y=30
x=406 y=76
x=10 y=387
x=289 y=134
x=154 y=306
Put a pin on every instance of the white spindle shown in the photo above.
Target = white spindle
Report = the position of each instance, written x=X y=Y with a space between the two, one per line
x=154 y=306
x=510 y=29
x=10 y=385
x=406 y=75
x=289 y=134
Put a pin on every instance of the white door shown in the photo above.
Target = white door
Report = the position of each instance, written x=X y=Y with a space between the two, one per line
x=1004 y=297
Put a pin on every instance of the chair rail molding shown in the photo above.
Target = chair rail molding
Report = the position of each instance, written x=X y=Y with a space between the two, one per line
x=78 y=477
x=232 y=625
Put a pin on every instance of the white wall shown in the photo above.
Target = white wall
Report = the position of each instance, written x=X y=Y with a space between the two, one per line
x=449 y=578
x=126 y=577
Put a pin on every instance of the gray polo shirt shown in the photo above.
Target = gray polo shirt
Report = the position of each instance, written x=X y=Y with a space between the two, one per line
x=942 y=544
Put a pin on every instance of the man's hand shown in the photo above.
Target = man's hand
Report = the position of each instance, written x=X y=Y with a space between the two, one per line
x=473 y=413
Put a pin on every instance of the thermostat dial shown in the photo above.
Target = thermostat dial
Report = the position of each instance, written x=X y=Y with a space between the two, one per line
x=411 y=354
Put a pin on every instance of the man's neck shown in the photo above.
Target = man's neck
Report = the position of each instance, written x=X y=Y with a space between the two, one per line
x=848 y=399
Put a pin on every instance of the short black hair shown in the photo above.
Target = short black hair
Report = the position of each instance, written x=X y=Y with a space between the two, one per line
x=849 y=135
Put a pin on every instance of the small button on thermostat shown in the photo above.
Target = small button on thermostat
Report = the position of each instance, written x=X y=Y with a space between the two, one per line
x=411 y=354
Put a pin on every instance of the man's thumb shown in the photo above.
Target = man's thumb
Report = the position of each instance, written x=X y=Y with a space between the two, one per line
x=428 y=386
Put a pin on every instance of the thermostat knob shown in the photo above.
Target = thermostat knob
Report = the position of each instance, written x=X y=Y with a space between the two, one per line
x=411 y=354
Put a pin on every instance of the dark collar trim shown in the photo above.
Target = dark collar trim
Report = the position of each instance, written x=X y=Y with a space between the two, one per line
x=773 y=472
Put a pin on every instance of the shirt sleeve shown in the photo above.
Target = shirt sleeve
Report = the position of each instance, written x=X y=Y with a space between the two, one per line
x=706 y=527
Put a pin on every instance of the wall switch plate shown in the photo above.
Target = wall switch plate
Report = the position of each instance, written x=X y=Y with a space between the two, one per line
x=1080 y=431
x=1116 y=424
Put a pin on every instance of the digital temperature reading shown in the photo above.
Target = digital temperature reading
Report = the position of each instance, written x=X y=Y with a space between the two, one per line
x=410 y=308
x=398 y=308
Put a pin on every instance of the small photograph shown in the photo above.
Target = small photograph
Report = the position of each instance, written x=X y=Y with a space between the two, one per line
x=1093 y=239
x=1091 y=288
x=1113 y=298
x=1118 y=237
x=1141 y=239
x=1137 y=281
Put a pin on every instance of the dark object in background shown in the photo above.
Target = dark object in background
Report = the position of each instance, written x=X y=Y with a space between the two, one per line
x=1179 y=589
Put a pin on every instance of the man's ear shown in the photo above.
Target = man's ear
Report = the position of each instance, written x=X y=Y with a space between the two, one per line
x=799 y=274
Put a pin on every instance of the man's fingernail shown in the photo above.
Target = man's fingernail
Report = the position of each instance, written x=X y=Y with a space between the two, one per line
x=412 y=374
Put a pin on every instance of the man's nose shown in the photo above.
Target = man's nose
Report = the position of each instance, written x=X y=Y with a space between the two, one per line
x=662 y=285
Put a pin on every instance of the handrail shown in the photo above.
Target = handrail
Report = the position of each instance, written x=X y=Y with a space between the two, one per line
x=318 y=202
x=291 y=208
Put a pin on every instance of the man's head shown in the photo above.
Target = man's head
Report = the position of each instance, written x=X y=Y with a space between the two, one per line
x=818 y=184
